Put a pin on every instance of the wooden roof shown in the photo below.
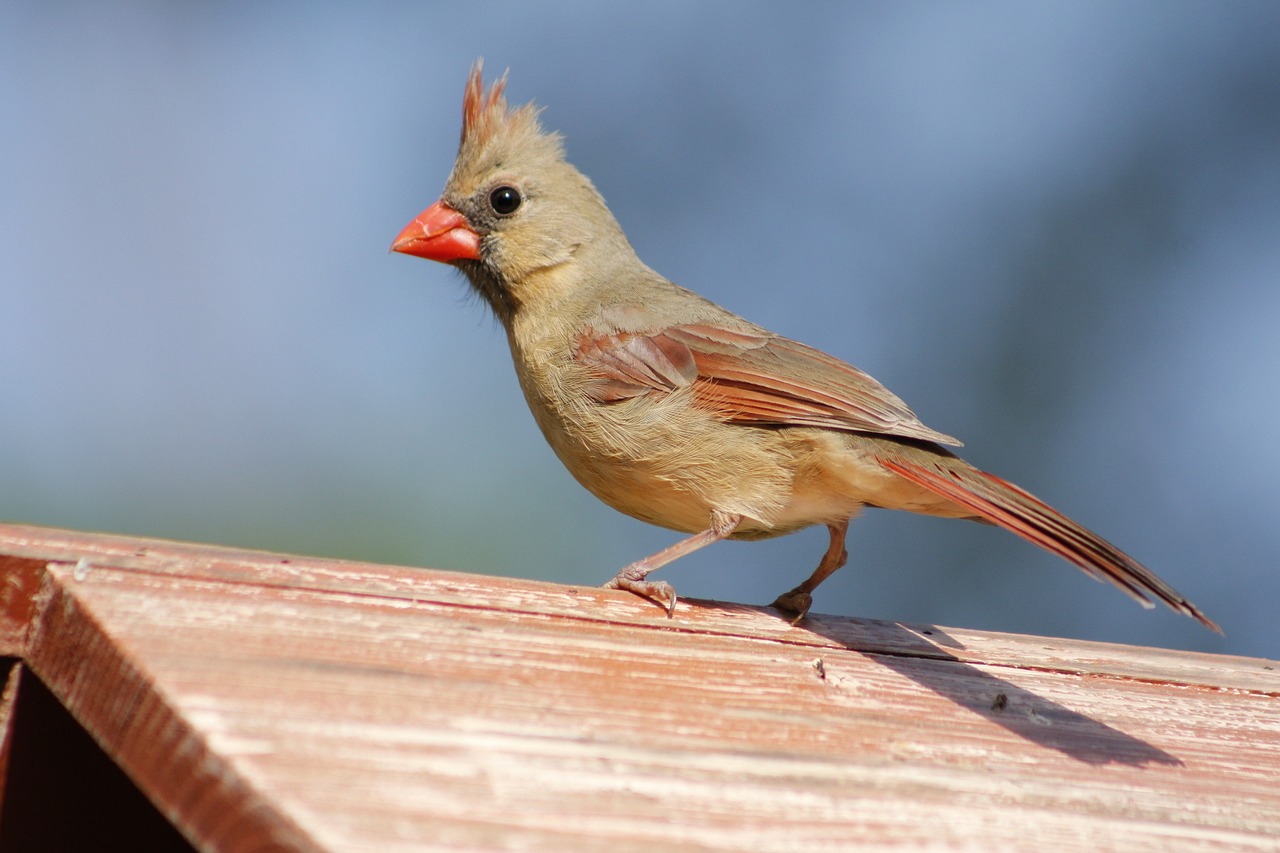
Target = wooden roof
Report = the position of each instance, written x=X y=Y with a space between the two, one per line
x=265 y=701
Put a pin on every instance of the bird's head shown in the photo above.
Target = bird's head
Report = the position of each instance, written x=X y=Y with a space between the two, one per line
x=514 y=214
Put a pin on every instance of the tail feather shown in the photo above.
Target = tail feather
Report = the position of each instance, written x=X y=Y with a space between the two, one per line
x=1004 y=504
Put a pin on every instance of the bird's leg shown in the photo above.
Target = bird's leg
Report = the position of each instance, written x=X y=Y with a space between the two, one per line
x=632 y=577
x=799 y=600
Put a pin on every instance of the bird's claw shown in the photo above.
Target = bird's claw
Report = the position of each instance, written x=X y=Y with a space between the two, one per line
x=797 y=602
x=659 y=592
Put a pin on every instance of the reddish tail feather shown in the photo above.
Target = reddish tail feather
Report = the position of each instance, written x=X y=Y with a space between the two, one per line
x=1020 y=512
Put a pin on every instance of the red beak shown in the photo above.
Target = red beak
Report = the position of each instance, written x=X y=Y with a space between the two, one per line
x=439 y=233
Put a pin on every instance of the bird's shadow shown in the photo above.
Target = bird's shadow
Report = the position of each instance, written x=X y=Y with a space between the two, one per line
x=922 y=657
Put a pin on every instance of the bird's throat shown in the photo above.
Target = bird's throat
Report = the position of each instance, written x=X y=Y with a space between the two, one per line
x=495 y=292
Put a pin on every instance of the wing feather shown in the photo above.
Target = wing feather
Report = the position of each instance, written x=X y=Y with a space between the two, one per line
x=746 y=377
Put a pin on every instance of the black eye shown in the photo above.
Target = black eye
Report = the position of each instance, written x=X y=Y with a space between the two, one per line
x=505 y=200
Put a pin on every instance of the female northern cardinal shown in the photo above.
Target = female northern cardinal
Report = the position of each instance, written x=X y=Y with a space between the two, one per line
x=675 y=411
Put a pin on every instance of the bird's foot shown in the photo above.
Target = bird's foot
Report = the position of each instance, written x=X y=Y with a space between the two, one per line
x=632 y=579
x=797 y=601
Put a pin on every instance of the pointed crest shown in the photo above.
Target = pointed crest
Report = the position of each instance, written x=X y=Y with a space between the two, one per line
x=486 y=117
x=481 y=108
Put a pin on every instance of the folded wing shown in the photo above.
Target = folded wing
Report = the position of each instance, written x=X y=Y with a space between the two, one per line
x=748 y=378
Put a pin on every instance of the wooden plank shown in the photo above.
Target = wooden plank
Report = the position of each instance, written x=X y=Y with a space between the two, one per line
x=271 y=701
x=39 y=545
x=19 y=580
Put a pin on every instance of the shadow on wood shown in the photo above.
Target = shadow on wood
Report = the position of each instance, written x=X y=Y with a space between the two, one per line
x=64 y=793
x=1023 y=713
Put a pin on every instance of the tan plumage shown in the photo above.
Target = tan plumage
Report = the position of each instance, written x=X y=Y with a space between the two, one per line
x=675 y=411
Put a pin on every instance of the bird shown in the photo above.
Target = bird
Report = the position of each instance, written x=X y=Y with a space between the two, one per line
x=678 y=412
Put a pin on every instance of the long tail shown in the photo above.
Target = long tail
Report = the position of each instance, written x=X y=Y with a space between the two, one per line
x=1008 y=506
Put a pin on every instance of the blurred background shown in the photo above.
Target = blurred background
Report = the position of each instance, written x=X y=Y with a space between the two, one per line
x=1053 y=228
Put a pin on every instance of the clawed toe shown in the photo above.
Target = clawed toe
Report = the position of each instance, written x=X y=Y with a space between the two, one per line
x=659 y=592
x=796 y=602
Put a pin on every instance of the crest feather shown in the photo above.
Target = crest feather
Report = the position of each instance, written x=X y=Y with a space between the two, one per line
x=486 y=117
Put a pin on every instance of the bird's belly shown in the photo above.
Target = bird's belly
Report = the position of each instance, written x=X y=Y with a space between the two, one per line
x=659 y=459
x=664 y=463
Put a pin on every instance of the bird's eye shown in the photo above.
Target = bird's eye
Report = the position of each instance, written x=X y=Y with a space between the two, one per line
x=505 y=200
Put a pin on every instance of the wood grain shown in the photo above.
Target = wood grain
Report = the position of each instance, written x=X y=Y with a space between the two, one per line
x=276 y=702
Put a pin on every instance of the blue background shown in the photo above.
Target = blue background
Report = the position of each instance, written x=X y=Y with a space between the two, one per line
x=1053 y=228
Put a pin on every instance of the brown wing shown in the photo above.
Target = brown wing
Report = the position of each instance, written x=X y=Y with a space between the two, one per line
x=748 y=378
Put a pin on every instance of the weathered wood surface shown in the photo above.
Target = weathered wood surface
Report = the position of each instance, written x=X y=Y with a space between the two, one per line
x=278 y=702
